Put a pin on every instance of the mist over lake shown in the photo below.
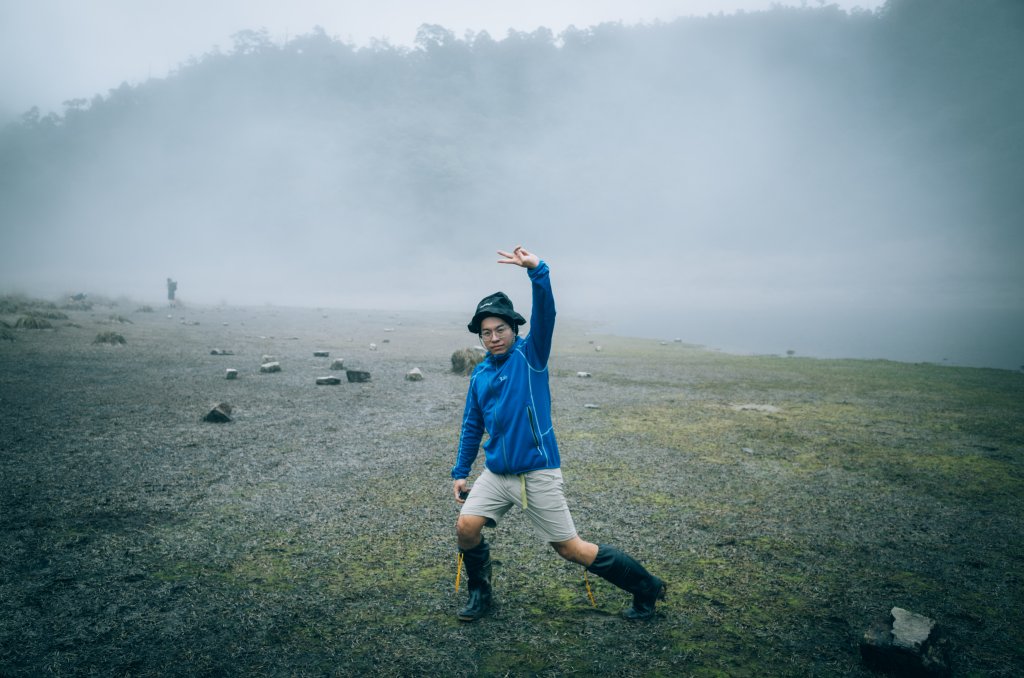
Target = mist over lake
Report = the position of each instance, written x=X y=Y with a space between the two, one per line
x=838 y=184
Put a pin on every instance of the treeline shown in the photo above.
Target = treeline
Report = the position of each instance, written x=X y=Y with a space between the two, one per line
x=461 y=128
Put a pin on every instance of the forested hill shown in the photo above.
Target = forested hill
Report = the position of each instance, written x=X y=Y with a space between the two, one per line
x=836 y=131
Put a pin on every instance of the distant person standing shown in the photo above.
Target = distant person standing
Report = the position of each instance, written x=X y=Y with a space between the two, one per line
x=172 y=287
x=509 y=398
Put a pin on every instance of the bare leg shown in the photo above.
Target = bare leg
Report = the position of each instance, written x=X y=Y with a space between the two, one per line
x=468 y=529
x=576 y=550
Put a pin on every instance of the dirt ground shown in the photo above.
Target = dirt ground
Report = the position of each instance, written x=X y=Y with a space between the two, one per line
x=788 y=503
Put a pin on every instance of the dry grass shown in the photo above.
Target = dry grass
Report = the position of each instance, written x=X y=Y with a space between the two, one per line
x=312 y=535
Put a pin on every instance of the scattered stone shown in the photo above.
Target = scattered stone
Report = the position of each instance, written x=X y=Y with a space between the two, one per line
x=357 y=376
x=678 y=340
x=750 y=407
x=464 y=360
x=221 y=351
x=321 y=354
x=597 y=348
x=328 y=381
x=414 y=375
x=592 y=406
x=220 y=414
x=270 y=367
x=748 y=450
x=338 y=364
x=267 y=359
x=583 y=375
x=385 y=341
x=373 y=347
x=904 y=645
x=231 y=374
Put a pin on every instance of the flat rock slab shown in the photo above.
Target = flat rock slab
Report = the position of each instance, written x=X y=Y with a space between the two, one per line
x=357 y=376
x=270 y=367
x=321 y=354
x=328 y=381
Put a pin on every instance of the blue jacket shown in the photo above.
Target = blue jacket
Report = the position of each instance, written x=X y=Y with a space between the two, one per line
x=509 y=398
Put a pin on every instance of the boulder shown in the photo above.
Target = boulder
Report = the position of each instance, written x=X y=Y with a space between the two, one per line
x=221 y=351
x=904 y=645
x=464 y=360
x=414 y=375
x=583 y=375
x=231 y=374
x=357 y=376
x=270 y=367
x=321 y=354
x=328 y=381
x=338 y=364
x=220 y=414
x=373 y=347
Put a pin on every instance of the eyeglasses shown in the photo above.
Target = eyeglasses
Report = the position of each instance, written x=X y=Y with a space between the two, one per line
x=499 y=332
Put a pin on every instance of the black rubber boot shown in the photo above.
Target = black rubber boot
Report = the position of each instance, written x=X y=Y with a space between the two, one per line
x=478 y=577
x=629 y=575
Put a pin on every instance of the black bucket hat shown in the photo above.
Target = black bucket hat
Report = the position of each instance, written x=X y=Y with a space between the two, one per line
x=497 y=304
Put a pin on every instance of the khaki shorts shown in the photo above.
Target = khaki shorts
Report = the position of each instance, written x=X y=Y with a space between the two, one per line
x=493 y=495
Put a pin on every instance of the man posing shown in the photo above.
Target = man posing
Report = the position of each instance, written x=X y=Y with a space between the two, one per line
x=509 y=398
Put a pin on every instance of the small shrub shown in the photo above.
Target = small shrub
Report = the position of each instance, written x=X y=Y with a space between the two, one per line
x=33 y=322
x=109 y=338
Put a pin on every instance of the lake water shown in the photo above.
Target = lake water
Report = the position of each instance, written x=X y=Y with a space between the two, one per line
x=974 y=338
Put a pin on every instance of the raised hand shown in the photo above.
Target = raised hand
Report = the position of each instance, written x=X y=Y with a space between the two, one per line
x=519 y=257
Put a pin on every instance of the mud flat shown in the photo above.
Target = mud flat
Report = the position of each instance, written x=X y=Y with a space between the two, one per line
x=788 y=502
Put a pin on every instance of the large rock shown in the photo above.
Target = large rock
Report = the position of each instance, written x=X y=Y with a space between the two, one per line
x=231 y=374
x=338 y=364
x=270 y=367
x=321 y=354
x=415 y=374
x=904 y=645
x=357 y=376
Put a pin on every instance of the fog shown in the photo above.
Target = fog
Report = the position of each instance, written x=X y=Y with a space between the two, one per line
x=718 y=194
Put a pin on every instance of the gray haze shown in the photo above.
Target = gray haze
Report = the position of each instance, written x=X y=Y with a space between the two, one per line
x=750 y=213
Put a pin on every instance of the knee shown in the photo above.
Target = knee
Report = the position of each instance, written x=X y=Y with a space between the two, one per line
x=576 y=551
x=567 y=550
x=467 y=533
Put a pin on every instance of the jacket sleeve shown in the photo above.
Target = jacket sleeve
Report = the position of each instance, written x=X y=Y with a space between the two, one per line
x=469 y=437
x=542 y=316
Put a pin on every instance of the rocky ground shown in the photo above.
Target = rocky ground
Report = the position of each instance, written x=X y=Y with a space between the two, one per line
x=788 y=502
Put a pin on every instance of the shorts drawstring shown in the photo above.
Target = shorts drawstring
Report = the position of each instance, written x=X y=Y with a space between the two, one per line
x=586 y=581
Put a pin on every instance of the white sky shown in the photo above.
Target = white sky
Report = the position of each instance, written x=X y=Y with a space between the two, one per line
x=55 y=50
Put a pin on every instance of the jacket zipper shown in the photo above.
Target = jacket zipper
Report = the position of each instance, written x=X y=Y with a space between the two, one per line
x=533 y=427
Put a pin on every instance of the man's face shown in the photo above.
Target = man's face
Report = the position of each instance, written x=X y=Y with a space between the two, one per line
x=496 y=335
